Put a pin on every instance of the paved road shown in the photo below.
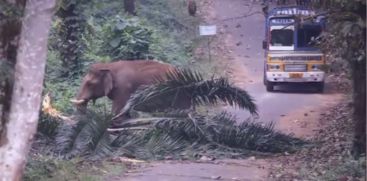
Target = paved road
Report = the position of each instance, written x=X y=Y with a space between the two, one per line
x=244 y=35
x=227 y=170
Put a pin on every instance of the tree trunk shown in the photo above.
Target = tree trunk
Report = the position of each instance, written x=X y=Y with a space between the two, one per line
x=359 y=91
x=70 y=30
x=359 y=101
x=191 y=7
x=26 y=99
x=129 y=6
x=10 y=27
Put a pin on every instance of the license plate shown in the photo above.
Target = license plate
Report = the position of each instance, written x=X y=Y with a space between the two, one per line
x=295 y=75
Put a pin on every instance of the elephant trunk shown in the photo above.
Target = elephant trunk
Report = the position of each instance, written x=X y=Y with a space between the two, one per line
x=81 y=104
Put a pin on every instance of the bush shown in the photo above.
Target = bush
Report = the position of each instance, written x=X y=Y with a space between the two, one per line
x=126 y=38
x=50 y=168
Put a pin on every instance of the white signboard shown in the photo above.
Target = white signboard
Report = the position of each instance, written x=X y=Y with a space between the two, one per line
x=208 y=30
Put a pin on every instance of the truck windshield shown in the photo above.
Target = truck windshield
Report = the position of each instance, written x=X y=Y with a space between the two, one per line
x=306 y=34
x=281 y=37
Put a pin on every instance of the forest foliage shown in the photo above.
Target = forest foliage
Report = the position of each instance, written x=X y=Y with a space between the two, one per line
x=345 y=39
x=105 y=33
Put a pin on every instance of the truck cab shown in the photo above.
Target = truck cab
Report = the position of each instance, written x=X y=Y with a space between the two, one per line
x=292 y=56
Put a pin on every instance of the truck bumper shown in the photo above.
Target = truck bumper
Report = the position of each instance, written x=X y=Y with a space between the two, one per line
x=287 y=77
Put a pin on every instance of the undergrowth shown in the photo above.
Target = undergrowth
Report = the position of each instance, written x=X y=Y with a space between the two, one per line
x=166 y=41
x=50 y=168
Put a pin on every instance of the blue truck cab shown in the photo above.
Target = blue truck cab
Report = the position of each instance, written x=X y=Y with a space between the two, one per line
x=290 y=49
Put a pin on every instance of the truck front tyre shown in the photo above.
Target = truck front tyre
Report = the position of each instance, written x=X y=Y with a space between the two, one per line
x=320 y=87
x=269 y=86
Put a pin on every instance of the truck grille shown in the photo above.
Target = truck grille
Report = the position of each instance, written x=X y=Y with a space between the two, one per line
x=296 y=58
x=295 y=68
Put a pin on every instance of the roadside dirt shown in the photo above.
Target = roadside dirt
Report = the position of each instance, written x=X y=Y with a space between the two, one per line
x=305 y=122
x=238 y=53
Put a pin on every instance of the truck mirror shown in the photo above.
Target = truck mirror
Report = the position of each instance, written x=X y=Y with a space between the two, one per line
x=265 y=44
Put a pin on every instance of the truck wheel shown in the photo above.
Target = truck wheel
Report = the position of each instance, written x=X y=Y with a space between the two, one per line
x=265 y=80
x=320 y=87
x=269 y=86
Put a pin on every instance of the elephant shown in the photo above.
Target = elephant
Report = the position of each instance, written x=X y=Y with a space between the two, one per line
x=118 y=81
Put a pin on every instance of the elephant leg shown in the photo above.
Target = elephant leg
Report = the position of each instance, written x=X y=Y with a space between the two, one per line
x=119 y=102
x=117 y=106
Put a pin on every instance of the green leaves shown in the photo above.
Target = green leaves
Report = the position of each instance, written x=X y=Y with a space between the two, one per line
x=114 y=43
x=177 y=134
x=121 y=25
x=345 y=29
x=88 y=137
x=125 y=39
x=189 y=133
x=345 y=39
x=10 y=11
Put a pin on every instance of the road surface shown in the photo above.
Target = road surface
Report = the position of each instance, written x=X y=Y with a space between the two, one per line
x=291 y=108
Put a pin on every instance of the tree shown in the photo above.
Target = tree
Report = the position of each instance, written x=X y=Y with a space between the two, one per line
x=70 y=32
x=346 y=38
x=26 y=99
x=191 y=7
x=129 y=6
x=10 y=26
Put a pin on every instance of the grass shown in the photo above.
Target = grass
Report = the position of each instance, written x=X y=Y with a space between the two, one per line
x=49 y=168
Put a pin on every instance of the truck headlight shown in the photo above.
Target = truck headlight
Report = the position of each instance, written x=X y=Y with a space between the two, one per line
x=274 y=67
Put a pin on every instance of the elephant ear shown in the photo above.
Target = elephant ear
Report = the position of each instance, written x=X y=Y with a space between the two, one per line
x=107 y=81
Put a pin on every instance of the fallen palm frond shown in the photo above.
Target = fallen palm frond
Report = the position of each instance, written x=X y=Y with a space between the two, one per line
x=176 y=134
x=88 y=137
x=193 y=132
x=154 y=133
x=184 y=87
x=49 y=110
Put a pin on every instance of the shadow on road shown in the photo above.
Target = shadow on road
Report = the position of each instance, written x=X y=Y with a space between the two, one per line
x=304 y=89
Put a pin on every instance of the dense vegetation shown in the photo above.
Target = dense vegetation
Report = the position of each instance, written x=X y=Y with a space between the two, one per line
x=345 y=38
x=105 y=33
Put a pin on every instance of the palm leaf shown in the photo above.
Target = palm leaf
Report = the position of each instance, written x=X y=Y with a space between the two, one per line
x=177 y=132
x=184 y=87
x=66 y=136
x=252 y=135
x=102 y=146
x=88 y=137
x=191 y=133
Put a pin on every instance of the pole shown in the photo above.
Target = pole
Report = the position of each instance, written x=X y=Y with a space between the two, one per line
x=210 y=56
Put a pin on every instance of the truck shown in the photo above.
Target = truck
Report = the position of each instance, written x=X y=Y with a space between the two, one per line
x=291 y=52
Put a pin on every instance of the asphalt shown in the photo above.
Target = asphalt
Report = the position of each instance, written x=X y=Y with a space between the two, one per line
x=242 y=23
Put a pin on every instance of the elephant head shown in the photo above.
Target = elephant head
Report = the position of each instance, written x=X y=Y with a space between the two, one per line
x=97 y=83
